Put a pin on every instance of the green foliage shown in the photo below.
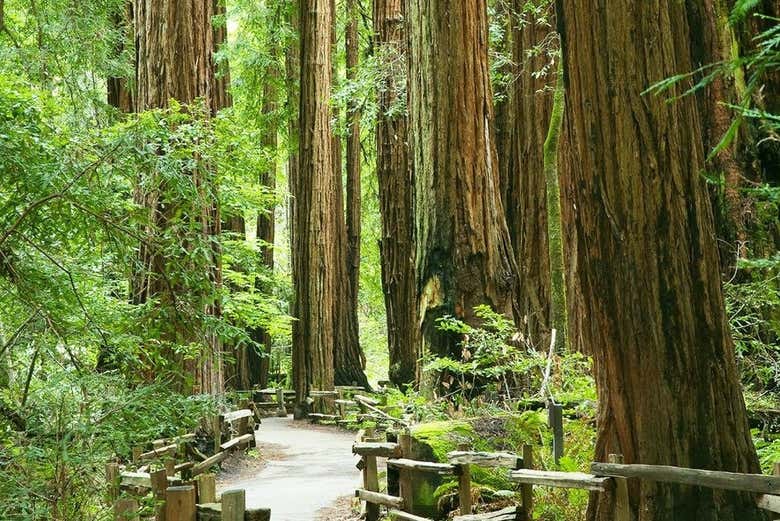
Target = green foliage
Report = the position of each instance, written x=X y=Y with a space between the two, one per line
x=752 y=309
x=768 y=453
x=741 y=9
x=489 y=366
x=73 y=426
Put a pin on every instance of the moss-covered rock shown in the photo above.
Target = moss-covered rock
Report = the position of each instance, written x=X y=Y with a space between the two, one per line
x=433 y=441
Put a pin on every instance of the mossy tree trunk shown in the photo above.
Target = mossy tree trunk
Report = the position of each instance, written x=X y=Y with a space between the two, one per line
x=175 y=42
x=464 y=256
x=647 y=272
x=558 y=310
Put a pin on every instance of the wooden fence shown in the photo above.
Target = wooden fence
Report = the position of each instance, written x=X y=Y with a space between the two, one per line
x=275 y=401
x=344 y=405
x=604 y=477
x=181 y=490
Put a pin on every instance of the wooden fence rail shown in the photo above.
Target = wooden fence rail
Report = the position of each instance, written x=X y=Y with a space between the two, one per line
x=184 y=491
x=611 y=476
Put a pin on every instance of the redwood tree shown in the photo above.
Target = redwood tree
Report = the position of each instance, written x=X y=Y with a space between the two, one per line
x=464 y=257
x=526 y=116
x=178 y=63
x=348 y=359
x=314 y=200
x=646 y=271
x=396 y=196
x=353 y=213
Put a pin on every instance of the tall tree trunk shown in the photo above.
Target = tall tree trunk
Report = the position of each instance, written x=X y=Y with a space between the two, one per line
x=349 y=361
x=259 y=365
x=558 y=314
x=353 y=161
x=464 y=255
x=647 y=268
x=178 y=63
x=739 y=165
x=292 y=64
x=523 y=181
x=396 y=198
x=316 y=224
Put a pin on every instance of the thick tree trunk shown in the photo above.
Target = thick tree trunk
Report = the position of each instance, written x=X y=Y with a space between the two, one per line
x=353 y=162
x=523 y=185
x=177 y=63
x=315 y=247
x=743 y=163
x=464 y=256
x=647 y=270
x=349 y=361
x=396 y=198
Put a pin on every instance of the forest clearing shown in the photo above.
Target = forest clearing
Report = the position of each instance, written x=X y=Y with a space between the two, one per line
x=414 y=260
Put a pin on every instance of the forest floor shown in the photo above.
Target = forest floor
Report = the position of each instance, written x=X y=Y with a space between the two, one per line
x=302 y=472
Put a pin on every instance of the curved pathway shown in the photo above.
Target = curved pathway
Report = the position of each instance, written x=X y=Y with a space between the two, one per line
x=315 y=467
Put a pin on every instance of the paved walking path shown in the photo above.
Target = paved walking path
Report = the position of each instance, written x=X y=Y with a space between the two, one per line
x=308 y=469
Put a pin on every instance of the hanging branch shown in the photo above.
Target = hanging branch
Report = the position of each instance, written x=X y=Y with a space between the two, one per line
x=57 y=195
x=18 y=332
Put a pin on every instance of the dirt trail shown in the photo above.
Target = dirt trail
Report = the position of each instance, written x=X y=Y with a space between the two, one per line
x=307 y=468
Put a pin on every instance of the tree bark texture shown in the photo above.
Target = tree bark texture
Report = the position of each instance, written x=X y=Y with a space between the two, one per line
x=349 y=360
x=464 y=256
x=354 y=199
x=713 y=40
x=645 y=265
x=396 y=198
x=523 y=186
x=175 y=42
x=315 y=238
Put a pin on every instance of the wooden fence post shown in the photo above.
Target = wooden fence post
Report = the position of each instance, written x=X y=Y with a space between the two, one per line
x=126 y=510
x=622 y=507
x=282 y=406
x=207 y=488
x=112 y=480
x=464 y=484
x=233 y=505
x=405 y=484
x=371 y=483
x=555 y=420
x=137 y=451
x=170 y=465
x=180 y=504
x=216 y=426
x=527 y=490
x=159 y=487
